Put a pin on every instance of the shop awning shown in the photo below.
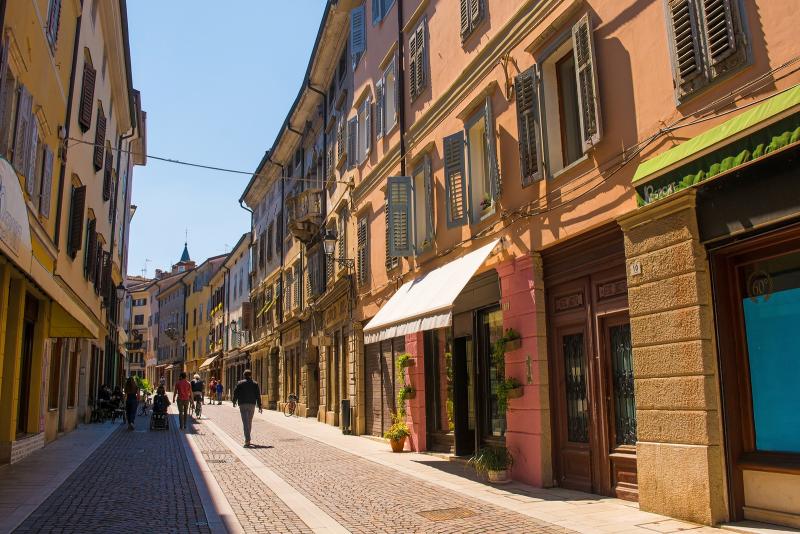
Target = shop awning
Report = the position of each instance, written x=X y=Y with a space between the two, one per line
x=167 y=368
x=426 y=302
x=208 y=362
x=758 y=116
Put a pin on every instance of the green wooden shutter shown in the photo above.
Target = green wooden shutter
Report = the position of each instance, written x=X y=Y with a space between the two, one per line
x=76 y=220
x=6 y=97
x=491 y=150
x=399 y=190
x=47 y=182
x=475 y=13
x=686 y=60
x=53 y=21
x=455 y=180
x=586 y=74
x=377 y=14
x=358 y=34
x=528 y=125
x=367 y=127
x=391 y=261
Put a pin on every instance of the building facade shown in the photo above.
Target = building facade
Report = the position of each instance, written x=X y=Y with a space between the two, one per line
x=197 y=284
x=136 y=317
x=236 y=309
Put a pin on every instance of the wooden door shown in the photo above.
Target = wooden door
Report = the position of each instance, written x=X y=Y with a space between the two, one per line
x=372 y=389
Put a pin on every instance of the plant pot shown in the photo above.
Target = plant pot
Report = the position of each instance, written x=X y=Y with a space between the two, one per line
x=514 y=393
x=397 y=444
x=499 y=477
x=411 y=362
x=514 y=344
x=412 y=394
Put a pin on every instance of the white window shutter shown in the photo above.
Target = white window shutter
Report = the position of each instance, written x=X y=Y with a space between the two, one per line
x=491 y=150
x=380 y=107
x=399 y=190
x=47 y=182
x=526 y=86
x=367 y=127
x=30 y=164
x=455 y=180
x=586 y=74
x=358 y=34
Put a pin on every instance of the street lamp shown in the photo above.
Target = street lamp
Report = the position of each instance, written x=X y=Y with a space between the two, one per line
x=329 y=244
x=120 y=291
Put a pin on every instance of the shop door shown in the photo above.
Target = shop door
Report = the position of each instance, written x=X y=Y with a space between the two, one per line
x=439 y=390
x=490 y=373
x=373 y=406
x=26 y=357
x=463 y=400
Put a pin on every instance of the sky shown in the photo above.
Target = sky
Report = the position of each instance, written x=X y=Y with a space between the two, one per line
x=216 y=84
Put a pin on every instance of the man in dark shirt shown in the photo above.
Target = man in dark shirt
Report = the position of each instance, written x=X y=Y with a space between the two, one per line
x=248 y=395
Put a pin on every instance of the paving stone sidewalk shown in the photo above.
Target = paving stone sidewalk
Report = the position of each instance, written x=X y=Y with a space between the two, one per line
x=136 y=481
x=366 y=497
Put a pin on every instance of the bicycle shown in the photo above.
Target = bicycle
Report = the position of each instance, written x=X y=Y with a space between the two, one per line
x=146 y=403
x=290 y=406
x=198 y=407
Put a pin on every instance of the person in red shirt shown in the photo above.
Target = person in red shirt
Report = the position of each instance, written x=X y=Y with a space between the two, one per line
x=183 y=390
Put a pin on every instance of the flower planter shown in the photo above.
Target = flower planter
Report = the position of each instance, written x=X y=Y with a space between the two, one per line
x=411 y=362
x=515 y=393
x=397 y=444
x=499 y=477
x=513 y=344
x=412 y=394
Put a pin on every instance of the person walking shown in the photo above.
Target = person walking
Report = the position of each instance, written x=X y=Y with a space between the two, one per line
x=248 y=395
x=183 y=390
x=131 y=400
x=212 y=390
x=219 y=392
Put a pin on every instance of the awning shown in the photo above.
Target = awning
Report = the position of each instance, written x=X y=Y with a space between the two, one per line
x=758 y=116
x=167 y=368
x=208 y=362
x=426 y=302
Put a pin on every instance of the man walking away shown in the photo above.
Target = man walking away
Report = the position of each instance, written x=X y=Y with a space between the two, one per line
x=197 y=392
x=212 y=390
x=183 y=389
x=219 y=392
x=248 y=395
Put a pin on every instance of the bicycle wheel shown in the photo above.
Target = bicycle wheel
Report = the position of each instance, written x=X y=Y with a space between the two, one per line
x=288 y=408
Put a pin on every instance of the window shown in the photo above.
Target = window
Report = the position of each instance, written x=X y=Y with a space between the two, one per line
x=270 y=232
x=288 y=290
x=87 y=88
x=380 y=8
x=53 y=19
x=341 y=230
x=138 y=320
x=7 y=91
x=391 y=260
x=706 y=42
x=75 y=234
x=107 y=173
x=563 y=89
x=364 y=130
x=90 y=254
x=352 y=133
x=341 y=142
x=342 y=69
x=358 y=33
x=417 y=60
x=55 y=376
x=362 y=252
x=422 y=206
x=472 y=13
x=386 y=101
x=99 y=140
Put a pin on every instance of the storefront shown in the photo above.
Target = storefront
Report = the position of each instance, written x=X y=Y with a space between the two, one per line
x=335 y=346
x=718 y=234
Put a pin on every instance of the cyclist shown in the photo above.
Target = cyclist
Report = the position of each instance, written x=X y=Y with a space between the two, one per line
x=197 y=394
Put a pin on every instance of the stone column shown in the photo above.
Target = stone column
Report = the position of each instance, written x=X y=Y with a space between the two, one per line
x=528 y=435
x=680 y=461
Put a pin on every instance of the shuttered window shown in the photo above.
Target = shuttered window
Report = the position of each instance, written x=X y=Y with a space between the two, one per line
x=341 y=142
x=391 y=262
x=31 y=149
x=99 y=139
x=707 y=41
x=388 y=100
x=108 y=167
x=77 y=206
x=47 y=182
x=87 y=96
x=362 y=252
x=380 y=8
x=22 y=130
x=455 y=180
x=97 y=266
x=472 y=13
x=380 y=106
x=399 y=191
x=270 y=232
x=417 y=60
x=352 y=136
x=423 y=222
x=7 y=88
x=583 y=50
x=53 y=20
x=358 y=32
x=526 y=90
x=297 y=282
x=91 y=250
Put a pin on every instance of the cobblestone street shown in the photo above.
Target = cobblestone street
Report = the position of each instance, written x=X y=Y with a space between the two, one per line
x=300 y=476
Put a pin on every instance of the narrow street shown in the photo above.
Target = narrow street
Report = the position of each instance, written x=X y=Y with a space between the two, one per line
x=203 y=480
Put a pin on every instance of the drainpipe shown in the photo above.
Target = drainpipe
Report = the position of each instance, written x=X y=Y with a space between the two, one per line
x=67 y=119
x=401 y=112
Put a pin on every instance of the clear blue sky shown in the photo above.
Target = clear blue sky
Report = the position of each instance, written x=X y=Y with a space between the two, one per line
x=216 y=83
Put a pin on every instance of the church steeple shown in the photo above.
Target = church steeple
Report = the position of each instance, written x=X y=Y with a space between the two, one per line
x=185 y=256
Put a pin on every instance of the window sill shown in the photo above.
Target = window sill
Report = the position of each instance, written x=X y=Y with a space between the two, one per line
x=568 y=168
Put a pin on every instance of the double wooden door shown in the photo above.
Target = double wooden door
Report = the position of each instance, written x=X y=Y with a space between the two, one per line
x=591 y=377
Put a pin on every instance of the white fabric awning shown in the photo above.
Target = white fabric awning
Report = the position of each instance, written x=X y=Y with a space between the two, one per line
x=207 y=362
x=426 y=302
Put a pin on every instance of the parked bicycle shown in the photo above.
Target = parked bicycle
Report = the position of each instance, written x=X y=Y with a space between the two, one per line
x=290 y=406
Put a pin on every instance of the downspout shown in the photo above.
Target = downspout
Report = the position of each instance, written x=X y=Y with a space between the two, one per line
x=401 y=112
x=67 y=119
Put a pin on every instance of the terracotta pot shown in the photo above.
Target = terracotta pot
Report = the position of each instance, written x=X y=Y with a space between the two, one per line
x=515 y=393
x=499 y=477
x=397 y=444
x=514 y=344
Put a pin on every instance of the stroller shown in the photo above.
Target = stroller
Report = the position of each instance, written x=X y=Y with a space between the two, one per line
x=159 y=419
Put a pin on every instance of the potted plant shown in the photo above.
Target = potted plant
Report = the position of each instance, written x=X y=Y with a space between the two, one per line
x=397 y=433
x=405 y=360
x=486 y=203
x=513 y=340
x=406 y=393
x=495 y=461
x=509 y=388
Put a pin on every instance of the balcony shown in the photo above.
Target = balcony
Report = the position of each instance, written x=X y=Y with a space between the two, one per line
x=305 y=214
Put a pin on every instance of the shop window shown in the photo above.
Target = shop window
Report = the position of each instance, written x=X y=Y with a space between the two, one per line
x=707 y=41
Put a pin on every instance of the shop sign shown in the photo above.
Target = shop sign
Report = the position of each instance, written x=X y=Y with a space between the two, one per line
x=336 y=312
x=14 y=230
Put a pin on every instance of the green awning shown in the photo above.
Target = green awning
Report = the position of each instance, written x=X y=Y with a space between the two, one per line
x=728 y=130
